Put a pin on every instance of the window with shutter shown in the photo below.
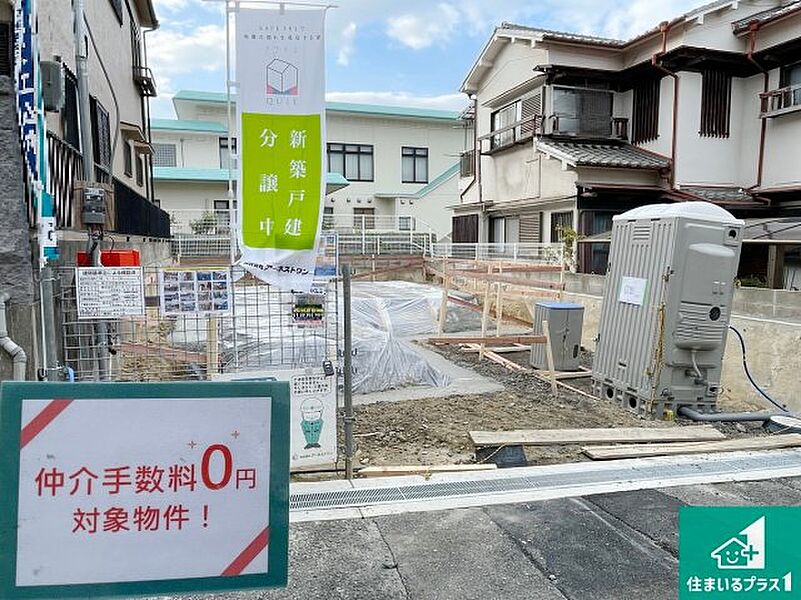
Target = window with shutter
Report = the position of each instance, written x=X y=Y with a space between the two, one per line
x=101 y=136
x=646 y=112
x=715 y=104
x=530 y=228
x=530 y=107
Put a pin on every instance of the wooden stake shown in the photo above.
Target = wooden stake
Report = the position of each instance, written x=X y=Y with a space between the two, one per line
x=485 y=314
x=549 y=356
x=443 y=306
x=499 y=304
x=212 y=347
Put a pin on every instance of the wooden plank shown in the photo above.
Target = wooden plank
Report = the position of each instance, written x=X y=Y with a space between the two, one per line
x=505 y=362
x=477 y=308
x=502 y=340
x=496 y=278
x=774 y=442
x=422 y=470
x=572 y=374
x=548 y=437
x=549 y=358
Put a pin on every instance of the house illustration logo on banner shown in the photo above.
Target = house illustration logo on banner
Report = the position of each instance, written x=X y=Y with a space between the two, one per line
x=746 y=550
x=282 y=78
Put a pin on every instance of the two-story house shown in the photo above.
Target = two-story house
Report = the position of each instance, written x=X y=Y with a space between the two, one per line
x=388 y=167
x=570 y=129
x=120 y=86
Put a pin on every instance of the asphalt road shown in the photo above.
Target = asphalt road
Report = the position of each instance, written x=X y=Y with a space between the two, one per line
x=603 y=547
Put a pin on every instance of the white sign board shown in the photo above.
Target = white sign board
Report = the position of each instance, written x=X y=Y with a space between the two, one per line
x=195 y=291
x=109 y=292
x=632 y=290
x=312 y=414
x=142 y=489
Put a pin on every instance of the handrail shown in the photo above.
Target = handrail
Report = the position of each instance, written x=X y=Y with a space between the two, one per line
x=781 y=100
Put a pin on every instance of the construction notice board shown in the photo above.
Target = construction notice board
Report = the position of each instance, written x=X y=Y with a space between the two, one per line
x=124 y=489
x=109 y=292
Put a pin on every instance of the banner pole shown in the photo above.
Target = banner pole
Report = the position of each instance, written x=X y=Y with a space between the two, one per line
x=348 y=371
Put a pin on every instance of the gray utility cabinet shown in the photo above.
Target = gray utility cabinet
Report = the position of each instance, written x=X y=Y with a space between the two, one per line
x=565 y=321
x=667 y=304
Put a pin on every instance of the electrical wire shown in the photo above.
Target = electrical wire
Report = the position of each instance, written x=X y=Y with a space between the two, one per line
x=765 y=395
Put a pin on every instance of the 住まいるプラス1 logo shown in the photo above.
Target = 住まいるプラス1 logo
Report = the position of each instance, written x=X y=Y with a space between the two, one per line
x=738 y=552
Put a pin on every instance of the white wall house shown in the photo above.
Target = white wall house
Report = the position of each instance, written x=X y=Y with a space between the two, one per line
x=120 y=86
x=388 y=167
x=572 y=129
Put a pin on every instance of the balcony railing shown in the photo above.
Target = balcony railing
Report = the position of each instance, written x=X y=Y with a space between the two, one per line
x=538 y=125
x=145 y=81
x=781 y=101
x=65 y=167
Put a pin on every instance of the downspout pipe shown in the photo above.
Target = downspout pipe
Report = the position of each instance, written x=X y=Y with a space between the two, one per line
x=18 y=357
x=664 y=29
x=752 y=35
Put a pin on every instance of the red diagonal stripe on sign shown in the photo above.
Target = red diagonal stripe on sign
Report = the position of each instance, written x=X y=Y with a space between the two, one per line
x=42 y=420
x=248 y=554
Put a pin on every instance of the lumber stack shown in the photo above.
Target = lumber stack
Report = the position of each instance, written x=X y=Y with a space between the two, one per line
x=632 y=442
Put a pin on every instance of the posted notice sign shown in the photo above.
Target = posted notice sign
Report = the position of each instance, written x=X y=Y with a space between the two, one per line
x=114 y=490
x=109 y=292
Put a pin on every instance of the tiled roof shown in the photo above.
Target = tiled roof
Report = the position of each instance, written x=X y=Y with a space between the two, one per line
x=766 y=16
x=719 y=195
x=565 y=35
x=602 y=154
x=340 y=107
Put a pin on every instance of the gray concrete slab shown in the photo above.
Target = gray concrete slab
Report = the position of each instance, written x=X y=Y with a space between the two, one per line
x=463 y=381
x=461 y=555
x=776 y=492
x=650 y=512
x=590 y=555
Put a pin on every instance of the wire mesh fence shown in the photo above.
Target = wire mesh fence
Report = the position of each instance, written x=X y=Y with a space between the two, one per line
x=259 y=327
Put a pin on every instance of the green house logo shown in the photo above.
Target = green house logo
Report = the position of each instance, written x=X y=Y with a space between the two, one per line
x=746 y=550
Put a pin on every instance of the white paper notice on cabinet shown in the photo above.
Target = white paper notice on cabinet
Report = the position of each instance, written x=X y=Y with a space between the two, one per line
x=632 y=290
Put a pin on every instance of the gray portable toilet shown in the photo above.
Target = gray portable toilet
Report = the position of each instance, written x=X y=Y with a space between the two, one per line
x=667 y=304
x=565 y=321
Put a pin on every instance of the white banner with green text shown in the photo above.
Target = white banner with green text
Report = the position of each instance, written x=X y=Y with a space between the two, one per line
x=280 y=69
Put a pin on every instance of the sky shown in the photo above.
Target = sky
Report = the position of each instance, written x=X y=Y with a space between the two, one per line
x=397 y=52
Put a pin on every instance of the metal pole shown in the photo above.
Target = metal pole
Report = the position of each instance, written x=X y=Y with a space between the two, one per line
x=348 y=371
x=87 y=150
x=87 y=146
x=46 y=292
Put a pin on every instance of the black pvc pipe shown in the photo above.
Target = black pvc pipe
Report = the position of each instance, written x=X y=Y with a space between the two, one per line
x=694 y=415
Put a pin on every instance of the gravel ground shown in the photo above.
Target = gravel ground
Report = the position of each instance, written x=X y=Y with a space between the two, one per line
x=435 y=431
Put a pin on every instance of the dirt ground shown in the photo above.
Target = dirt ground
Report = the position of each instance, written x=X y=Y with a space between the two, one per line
x=435 y=431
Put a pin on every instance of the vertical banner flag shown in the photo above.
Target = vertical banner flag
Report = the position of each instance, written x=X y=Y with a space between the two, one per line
x=280 y=68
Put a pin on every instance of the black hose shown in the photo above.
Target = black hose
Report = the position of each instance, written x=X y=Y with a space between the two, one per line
x=781 y=407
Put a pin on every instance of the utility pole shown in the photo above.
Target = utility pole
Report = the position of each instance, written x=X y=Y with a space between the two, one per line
x=95 y=230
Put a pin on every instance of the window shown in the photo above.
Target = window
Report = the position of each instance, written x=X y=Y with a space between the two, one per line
x=364 y=218
x=404 y=223
x=645 y=117
x=414 y=165
x=353 y=161
x=464 y=229
x=560 y=221
x=497 y=228
x=715 y=104
x=221 y=205
x=583 y=111
x=69 y=113
x=164 y=155
x=6 y=49
x=140 y=167
x=101 y=137
x=503 y=118
x=127 y=158
x=227 y=158
x=790 y=75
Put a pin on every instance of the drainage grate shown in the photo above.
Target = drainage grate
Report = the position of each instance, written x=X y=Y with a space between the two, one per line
x=453 y=489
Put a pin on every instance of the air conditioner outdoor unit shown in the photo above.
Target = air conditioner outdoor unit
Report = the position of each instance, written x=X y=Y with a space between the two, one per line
x=666 y=309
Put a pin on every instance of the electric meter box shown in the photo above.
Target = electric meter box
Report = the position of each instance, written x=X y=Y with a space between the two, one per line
x=666 y=308
x=565 y=322
x=93 y=210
